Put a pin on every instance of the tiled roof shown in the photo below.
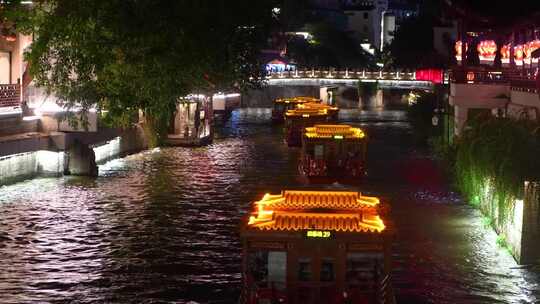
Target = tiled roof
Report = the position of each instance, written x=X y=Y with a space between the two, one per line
x=298 y=100
x=317 y=105
x=324 y=210
x=329 y=131
x=308 y=99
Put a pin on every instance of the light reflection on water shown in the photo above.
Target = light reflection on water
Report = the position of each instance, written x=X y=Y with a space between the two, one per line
x=162 y=225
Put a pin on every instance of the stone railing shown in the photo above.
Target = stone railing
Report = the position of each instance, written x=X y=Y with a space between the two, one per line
x=518 y=80
x=344 y=74
x=10 y=95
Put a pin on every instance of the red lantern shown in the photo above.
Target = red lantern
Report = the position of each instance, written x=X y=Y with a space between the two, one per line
x=531 y=47
x=518 y=55
x=458 y=47
x=486 y=51
x=470 y=76
x=505 y=54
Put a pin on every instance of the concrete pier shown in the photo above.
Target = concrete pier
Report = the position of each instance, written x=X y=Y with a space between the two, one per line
x=81 y=160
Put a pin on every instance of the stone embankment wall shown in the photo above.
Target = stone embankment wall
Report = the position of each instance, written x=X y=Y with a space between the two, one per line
x=519 y=227
x=31 y=154
x=522 y=230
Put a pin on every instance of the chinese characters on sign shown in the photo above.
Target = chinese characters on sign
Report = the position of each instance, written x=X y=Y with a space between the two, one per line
x=318 y=234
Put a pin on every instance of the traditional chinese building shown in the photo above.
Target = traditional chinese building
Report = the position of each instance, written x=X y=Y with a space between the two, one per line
x=496 y=70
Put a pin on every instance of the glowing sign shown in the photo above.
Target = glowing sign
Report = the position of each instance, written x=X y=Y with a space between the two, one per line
x=305 y=115
x=319 y=234
x=338 y=136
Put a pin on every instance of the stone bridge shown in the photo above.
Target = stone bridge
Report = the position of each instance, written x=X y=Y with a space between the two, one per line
x=343 y=85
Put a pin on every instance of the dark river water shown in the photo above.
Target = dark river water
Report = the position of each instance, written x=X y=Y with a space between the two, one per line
x=162 y=226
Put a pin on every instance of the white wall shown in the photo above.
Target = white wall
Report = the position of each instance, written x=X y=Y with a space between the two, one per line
x=389 y=27
x=5 y=68
x=26 y=165
x=18 y=166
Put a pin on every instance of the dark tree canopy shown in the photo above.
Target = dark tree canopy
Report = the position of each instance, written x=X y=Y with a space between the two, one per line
x=413 y=43
x=329 y=47
x=126 y=55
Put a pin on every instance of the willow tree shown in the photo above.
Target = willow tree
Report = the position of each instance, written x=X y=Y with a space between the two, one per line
x=131 y=55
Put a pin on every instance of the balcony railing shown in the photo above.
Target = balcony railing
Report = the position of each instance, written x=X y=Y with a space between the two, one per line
x=10 y=95
x=517 y=80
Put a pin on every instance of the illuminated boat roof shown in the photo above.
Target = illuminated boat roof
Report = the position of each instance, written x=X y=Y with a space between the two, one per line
x=306 y=112
x=314 y=105
x=322 y=210
x=308 y=99
x=334 y=131
x=293 y=100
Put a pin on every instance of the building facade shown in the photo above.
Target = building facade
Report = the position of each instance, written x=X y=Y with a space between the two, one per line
x=375 y=21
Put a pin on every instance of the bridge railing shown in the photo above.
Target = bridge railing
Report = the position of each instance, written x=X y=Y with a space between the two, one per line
x=517 y=80
x=344 y=74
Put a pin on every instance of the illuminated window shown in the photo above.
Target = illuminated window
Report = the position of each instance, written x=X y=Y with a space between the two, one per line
x=304 y=269
x=319 y=152
x=268 y=268
x=327 y=270
x=364 y=270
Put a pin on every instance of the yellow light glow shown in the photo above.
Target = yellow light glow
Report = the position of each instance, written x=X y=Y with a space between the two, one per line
x=317 y=211
x=318 y=234
x=334 y=131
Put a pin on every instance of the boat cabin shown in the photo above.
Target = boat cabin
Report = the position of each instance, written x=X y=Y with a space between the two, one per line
x=311 y=247
x=282 y=105
x=191 y=124
x=298 y=119
x=333 y=153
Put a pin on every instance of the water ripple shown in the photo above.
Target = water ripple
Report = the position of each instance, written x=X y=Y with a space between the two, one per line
x=161 y=226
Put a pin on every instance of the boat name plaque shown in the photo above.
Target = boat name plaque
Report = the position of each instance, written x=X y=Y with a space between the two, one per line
x=318 y=234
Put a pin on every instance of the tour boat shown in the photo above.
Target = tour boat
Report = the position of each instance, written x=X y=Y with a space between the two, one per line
x=298 y=119
x=333 y=153
x=282 y=105
x=310 y=247
x=332 y=111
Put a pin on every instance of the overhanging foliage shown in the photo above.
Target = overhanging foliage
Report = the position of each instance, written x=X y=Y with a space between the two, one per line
x=126 y=55
x=494 y=158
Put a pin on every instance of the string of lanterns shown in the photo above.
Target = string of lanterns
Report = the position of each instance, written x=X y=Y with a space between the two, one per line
x=487 y=51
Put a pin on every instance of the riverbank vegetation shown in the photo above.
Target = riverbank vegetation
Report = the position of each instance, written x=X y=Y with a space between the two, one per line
x=489 y=162
x=494 y=157
x=126 y=56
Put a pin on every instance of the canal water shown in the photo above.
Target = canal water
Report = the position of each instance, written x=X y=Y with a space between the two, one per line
x=161 y=226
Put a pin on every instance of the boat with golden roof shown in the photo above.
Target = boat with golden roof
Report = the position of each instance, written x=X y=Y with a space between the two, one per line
x=282 y=105
x=316 y=247
x=332 y=111
x=333 y=153
x=297 y=120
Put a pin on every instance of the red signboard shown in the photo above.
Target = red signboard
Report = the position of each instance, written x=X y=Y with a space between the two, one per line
x=433 y=75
